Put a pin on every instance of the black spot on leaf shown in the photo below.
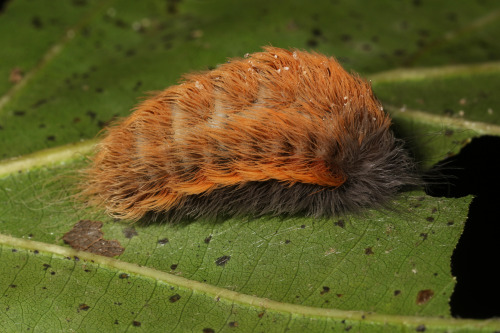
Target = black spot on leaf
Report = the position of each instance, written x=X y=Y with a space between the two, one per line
x=174 y=298
x=221 y=261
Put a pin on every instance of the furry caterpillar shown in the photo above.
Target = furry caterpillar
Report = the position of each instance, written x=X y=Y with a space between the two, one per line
x=277 y=132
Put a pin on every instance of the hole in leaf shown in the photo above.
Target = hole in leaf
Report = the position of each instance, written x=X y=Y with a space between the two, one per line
x=475 y=170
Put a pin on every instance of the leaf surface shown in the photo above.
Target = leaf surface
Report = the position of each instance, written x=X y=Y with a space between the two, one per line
x=88 y=62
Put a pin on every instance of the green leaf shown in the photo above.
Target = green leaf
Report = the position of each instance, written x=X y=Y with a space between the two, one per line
x=85 y=63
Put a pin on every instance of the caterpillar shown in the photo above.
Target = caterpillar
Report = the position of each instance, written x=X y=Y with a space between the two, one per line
x=275 y=132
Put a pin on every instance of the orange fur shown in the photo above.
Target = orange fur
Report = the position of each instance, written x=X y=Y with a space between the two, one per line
x=275 y=115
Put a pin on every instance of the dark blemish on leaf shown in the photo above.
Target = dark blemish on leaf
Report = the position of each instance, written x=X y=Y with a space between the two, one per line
x=36 y=252
x=76 y=258
x=116 y=322
x=420 y=328
x=52 y=273
x=91 y=114
x=138 y=84
x=120 y=23
x=87 y=235
x=221 y=261
x=435 y=274
x=174 y=298
x=173 y=267
x=369 y=251
x=316 y=32
x=434 y=210
x=424 y=296
x=450 y=223
x=287 y=241
x=397 y=292
x=208 y=330
x=87 y=270
x=339 y=295
x=51 y=138
x=36 y=21
x=399 y=52
x=129 y=232
x=448 y=112
x=14 y=250
x=79 y=3
x=448 y=132
x=136 y=323
x=261 y=314
x=19 y=113
x=345 y=37
x=172 y=6
x=312 y=42
x=325 y=290
x=83 y=307
x=348 y=328
x=46 y=266
x=303 y=226
x=76 y=120
x=429 y=219
x=130 y=53
x=233 y=324
x=13 y=285
x=163 y=241
x=99 y=90
x=123 y=276
x=340 y=223
x=39 y=103
x=424 y=235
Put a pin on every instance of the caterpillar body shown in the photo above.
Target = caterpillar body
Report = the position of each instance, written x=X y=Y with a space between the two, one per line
x=276 y=132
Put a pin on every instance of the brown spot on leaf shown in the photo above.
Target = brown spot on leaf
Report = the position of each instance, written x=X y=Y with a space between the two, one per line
x=86 y=235
x=16 y=75
x=340 y=223
x=397 y=292
x=83 y=307
x=208 y=239
x=208 y=330
x=123 y=276
x=420 y=328
x=369 y=251
x=129 y=232
x=221 y=261
x=163 y=241
x=233 y=324
x=174 y=298
x=136 y=323
x=424 y=296
x=325 y=290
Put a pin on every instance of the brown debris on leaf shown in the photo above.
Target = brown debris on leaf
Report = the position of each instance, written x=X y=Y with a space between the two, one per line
x=16 y=75
x=86 y=235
